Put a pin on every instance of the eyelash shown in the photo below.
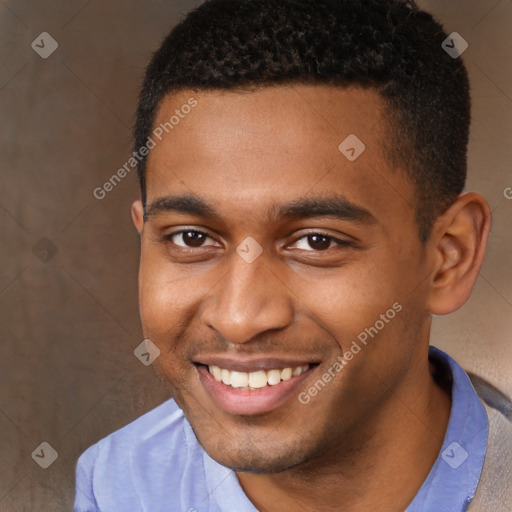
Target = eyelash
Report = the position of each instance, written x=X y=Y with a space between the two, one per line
x=340 y=243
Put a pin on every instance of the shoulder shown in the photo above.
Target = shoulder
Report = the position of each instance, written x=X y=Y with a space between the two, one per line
x=492 y=396
x=494 y=491
x=135 y=465
x=166 y=420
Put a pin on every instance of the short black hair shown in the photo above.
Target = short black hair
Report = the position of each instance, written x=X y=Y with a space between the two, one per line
x=388 y=45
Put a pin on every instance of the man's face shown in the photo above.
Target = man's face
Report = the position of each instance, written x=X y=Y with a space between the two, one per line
x=339 y=247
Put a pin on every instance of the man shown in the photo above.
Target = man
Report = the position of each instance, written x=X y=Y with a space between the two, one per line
x=302 y=218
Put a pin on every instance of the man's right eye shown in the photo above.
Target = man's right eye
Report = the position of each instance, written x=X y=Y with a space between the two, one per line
x=187 y=238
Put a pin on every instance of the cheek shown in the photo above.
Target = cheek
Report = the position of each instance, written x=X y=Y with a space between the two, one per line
x=170 y=297
x=161 y=299
x=352 y=298
x=164 y=306
x=164 y=290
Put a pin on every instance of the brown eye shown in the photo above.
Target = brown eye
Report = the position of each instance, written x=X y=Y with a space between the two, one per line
x=193 y=238
x=319 y=242
x=190 y=238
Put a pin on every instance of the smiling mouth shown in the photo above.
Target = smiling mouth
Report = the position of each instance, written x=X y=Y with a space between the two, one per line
x=250 y=381
x=251 y=387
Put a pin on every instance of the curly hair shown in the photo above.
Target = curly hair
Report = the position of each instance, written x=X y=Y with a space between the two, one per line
x=388 y=45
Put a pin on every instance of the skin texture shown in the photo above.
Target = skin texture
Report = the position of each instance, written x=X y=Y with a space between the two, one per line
x=245 y=152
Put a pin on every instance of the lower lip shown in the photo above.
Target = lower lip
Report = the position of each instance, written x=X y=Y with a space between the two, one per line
x=250 y=402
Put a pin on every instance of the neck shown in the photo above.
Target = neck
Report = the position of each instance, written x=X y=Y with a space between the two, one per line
x=385 y=467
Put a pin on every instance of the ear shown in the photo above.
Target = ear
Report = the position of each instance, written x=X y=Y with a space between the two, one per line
x=459 y=239
x=138 y=215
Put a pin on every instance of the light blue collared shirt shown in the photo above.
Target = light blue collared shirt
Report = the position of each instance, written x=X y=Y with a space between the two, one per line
x=156 y=464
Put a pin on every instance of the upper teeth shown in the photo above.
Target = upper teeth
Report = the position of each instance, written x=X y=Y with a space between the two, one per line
x=254 y=380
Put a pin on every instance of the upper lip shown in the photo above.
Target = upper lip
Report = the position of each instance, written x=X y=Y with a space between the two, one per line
x=251 y=364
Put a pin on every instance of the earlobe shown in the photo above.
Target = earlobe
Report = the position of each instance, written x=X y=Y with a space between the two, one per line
x=138 y=215
x=460 y=240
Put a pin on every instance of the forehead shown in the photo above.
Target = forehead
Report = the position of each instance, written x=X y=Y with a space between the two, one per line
x=274 y=144
x=298 y=113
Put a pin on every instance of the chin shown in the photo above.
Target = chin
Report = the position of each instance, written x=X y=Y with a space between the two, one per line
x=253 y=455
x=256 y=463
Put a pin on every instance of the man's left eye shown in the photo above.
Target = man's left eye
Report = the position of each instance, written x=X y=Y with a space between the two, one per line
x=319 y=242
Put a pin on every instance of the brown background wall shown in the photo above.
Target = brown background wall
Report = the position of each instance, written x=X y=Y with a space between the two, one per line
x=68 y=299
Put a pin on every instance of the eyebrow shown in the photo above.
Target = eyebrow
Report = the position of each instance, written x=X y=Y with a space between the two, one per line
x=183 y=204
x=335 y=206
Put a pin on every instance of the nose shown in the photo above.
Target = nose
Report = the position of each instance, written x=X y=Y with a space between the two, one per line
x=249 y=300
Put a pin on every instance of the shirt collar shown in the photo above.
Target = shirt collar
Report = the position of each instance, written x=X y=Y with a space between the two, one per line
x=452 y=481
